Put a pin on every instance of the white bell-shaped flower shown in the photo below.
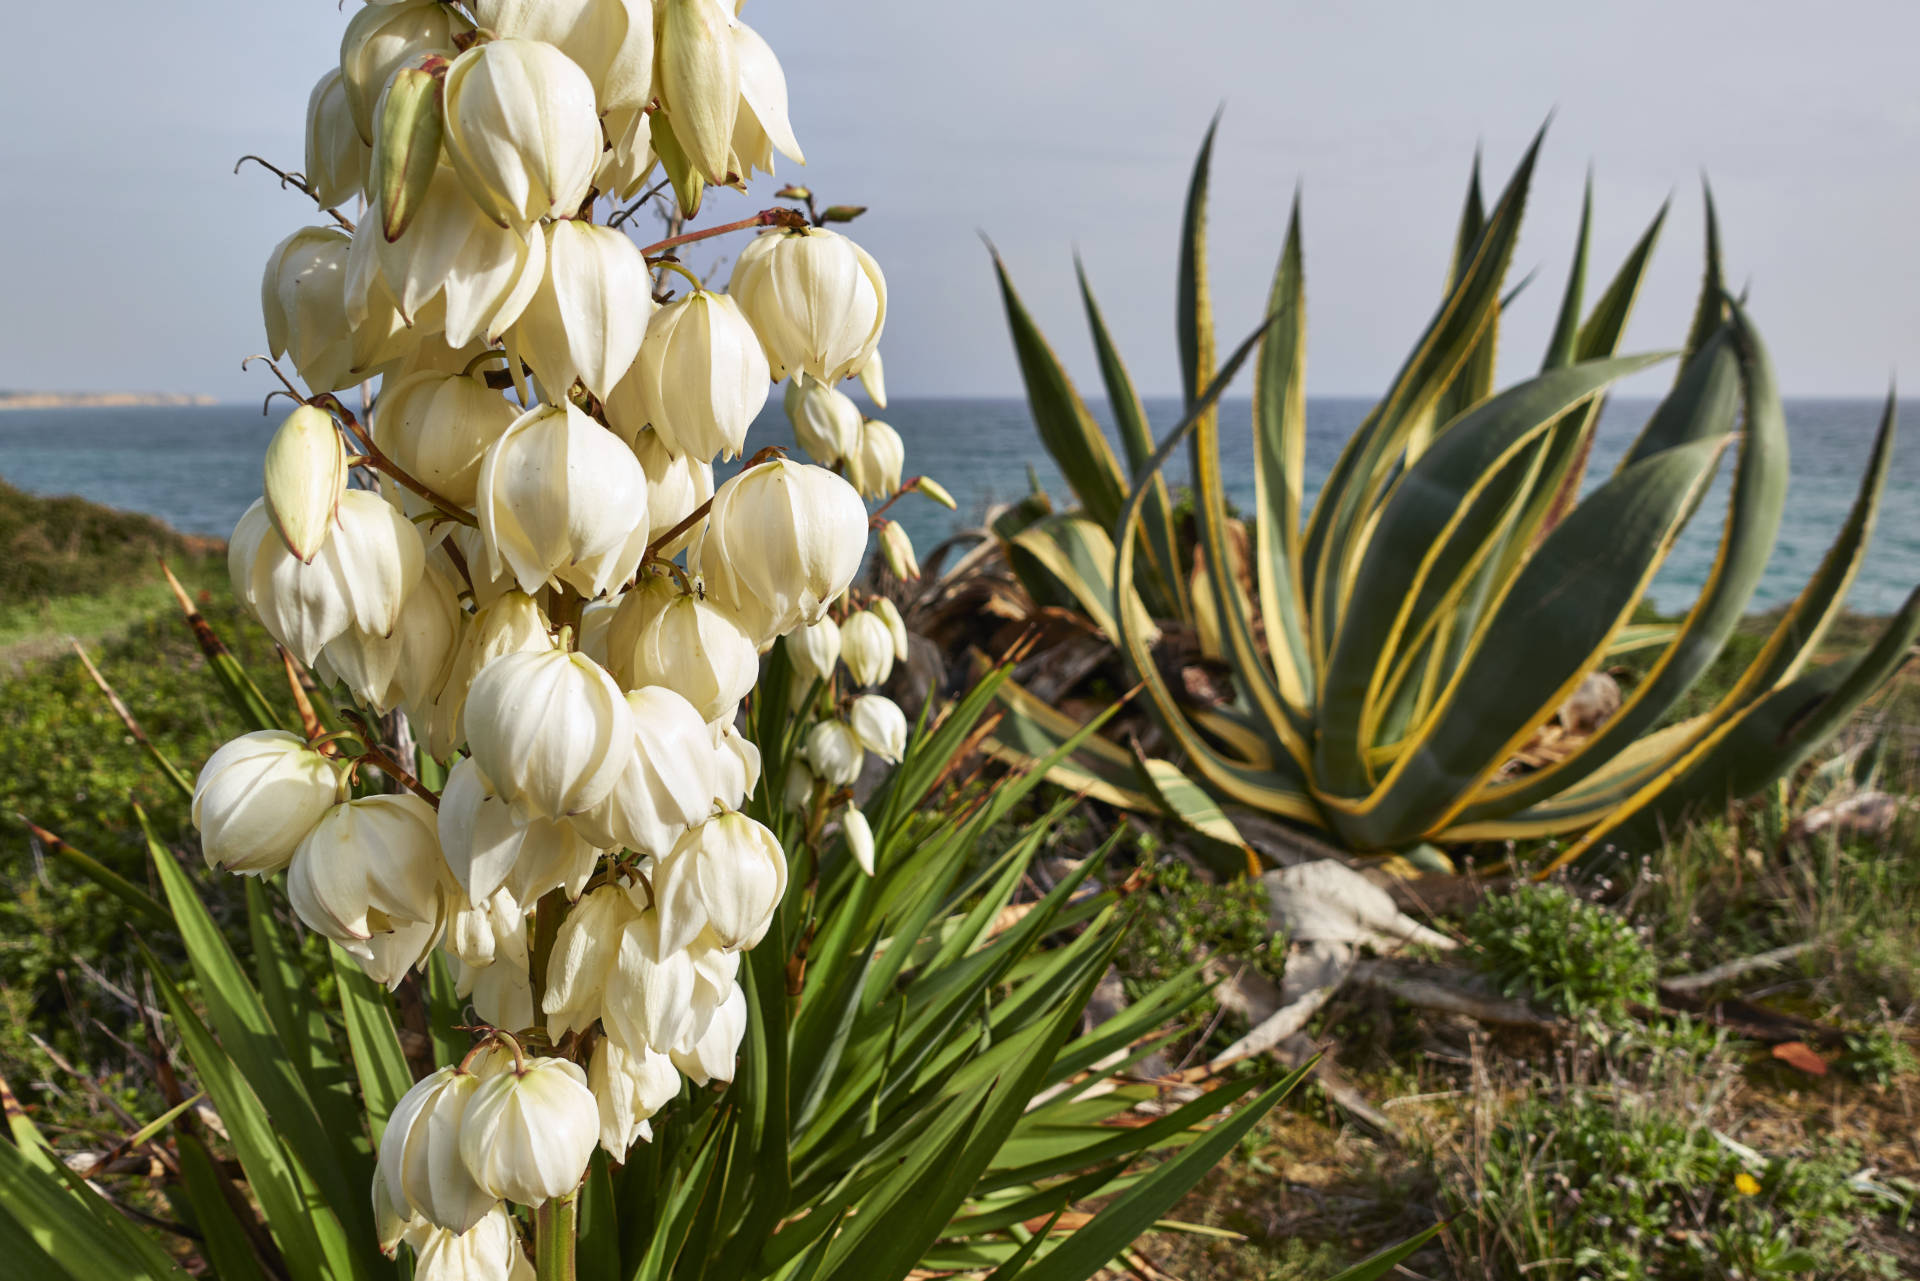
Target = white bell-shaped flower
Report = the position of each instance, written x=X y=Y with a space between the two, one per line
x=439 y=428
x=630 y=1087
x=859 y=834
x=826 y=422
x=486 y=274
x=889 y=613
x=581 y=965
x=488 y=846
x=589 y=314
x=382 y=38
x=522 y=130
x=696 y=651
x=834 y=752
x=700 y=377
x=529 y=1132
x=369 y=867
x=361 y=576
x=817 y=300
x=676 y=487
x=489 y=1251
x=509 y=624
x=628 y=160
x=409 y=664
x=699 y=82
x=633 y=609
x=726 y=874
x=612 y=40
x=813 y=650
x=258 y=797
x=670 y=781
x=712 y=1054
x=866 y=647
x=419 y=1156
x=550 y=730
x=875 y=467
x=782 y=540
x=649 y=991
x=762 y=127
x=337 y=157
x=797 y=792
x=304 y=300
x=560 y=492
x=489 y=943
x=880 y=726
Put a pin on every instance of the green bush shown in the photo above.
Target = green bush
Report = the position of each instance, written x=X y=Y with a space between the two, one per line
x=1546 y=942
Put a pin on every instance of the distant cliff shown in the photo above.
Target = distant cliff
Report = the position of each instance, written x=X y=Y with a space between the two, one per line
x=97 y=399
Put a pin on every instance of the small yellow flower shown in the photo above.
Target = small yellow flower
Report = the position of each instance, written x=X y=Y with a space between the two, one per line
x=1746 y=1184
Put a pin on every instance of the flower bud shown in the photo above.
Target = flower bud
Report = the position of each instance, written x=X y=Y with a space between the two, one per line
x=797 y=793
x=559 y=493
x=762 y=126
x=380 y=39
x=874 y=468
x=629 y=1086
x=258 y=797
x=700 y=83
x=522 y=130
x=826 y=422
x=782 y=539
x=889 y=613
x=896 y=549
x=370 y=867
x=583 y=958
x=488 y=846
x=937 y=492
x=880 y=726
x=676 y=487
x=410 y=664
x=739 y=766
x=550 y=730
x=817 y=300
x=866 y=647
x=712 y=1054
x=420 y=1153
x=528 y=1134
x=649 y=992
x=438 y=427
x=407 y=128
x=337 y=158
x=696 y=651
x=586 y=320
x=700 y=378
x=306 y=472
x=303 y=296
x=834 y=752
x=873 y=377
x=726 y=874
x=859 y=834
x=360 y=577
x=813 y=650
x=668 y=784
x=452 y=252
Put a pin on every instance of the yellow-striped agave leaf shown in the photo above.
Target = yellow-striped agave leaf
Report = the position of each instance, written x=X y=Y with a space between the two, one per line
x=1077 y=556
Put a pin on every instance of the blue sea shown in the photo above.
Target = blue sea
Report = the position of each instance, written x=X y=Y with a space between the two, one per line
x=199 y=468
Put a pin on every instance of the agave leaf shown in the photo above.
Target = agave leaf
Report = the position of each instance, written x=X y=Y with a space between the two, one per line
x=1162 y=587
x=1543 y=638
x=1438 y=520
x=1347 y=499
x=1078 y=555
x=1192 y=806
x=1754 y=509
x=1066 y=427
x=1280 y=464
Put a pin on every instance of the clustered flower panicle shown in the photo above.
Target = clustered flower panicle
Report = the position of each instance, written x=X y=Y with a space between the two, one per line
x=546 y=580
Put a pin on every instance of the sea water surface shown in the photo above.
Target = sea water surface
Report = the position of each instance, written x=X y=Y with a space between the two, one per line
x=197 y=468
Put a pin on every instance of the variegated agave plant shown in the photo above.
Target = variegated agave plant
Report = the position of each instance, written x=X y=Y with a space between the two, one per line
x=1393 y=646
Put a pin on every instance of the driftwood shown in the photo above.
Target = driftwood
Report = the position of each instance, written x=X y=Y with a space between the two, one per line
x=1445 y=992
x=1687 y=983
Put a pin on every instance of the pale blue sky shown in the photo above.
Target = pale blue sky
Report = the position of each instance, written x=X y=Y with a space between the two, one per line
x=133 y=254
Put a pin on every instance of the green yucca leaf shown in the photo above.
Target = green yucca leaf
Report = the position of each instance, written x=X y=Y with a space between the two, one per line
x=229 y=1242
x=67 y=1232
x=377 y=1058
x=1387 y=1261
